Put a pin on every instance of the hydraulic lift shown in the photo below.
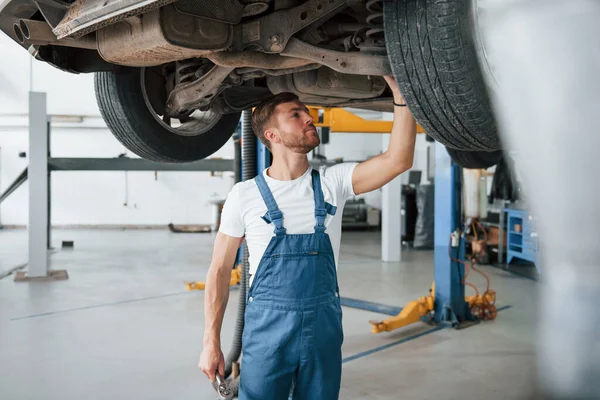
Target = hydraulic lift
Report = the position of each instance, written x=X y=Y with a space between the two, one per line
x=446 y=303
x=39 y=171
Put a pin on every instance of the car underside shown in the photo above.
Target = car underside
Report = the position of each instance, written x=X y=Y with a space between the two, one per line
x=173 y=76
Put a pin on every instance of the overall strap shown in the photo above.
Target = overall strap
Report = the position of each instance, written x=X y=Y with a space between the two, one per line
x=320 y=210
x=273 y=212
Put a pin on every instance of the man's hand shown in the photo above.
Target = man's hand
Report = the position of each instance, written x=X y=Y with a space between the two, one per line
x=211 y=361
x=216 y=295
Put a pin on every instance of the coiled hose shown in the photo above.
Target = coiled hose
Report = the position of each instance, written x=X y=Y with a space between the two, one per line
x=237 y=156
x=248 y=172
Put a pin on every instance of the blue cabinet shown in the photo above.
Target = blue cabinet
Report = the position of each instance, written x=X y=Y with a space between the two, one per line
x=522 y=237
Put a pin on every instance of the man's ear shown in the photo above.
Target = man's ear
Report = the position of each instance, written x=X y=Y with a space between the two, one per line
x=272 y=135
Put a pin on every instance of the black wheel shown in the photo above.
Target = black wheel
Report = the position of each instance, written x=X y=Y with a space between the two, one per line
x=433 y=47
x=476 y=159
x=132 y=102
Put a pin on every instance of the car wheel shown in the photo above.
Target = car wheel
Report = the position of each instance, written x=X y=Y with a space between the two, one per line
x=476 y=159
x=132 y=102
x=433 y=47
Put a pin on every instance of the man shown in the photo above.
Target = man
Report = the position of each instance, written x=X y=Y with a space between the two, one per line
x=291 y=218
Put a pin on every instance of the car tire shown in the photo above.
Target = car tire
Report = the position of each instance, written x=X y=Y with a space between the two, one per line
x=476 y=159
x=433 y=49
x=120 y=96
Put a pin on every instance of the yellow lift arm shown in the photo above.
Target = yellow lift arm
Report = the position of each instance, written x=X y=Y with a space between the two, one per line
x=416 y=309
x=340 y=120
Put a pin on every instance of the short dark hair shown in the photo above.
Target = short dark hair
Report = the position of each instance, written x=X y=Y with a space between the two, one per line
x=264 y=112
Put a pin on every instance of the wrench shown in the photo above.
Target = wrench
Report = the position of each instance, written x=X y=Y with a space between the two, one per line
x=224 y=392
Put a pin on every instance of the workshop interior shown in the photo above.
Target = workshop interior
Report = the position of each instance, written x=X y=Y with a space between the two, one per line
x=125 y=124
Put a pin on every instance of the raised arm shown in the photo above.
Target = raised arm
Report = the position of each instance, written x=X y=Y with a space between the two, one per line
x=216 y=296
x=381 y=169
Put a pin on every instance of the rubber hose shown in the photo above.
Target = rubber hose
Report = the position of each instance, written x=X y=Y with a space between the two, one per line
x=248 y=172
x=237 y=158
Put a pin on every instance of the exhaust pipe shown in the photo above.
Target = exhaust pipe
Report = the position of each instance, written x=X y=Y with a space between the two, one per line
x=32 y=32
x=19 y=33
x=40 y=30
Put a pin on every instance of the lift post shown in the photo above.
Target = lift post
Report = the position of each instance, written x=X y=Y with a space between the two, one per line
x=449 y=243
x=446 y=303
x=39 y=194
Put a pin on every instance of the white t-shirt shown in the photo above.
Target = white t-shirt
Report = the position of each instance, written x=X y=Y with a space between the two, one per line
x=244 y=208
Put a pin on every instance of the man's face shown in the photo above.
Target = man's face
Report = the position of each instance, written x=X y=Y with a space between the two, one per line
x=296 y=127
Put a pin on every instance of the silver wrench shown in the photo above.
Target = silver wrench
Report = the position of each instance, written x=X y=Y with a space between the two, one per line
x=224 y=392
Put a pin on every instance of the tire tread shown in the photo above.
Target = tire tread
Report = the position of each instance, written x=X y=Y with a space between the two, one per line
x=435 y=64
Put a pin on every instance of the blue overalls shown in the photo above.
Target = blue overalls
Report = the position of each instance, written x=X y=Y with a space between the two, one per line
x=293 y=321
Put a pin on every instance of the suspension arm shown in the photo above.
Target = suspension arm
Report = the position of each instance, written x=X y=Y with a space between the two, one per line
x=198 y=93
x=349 y=63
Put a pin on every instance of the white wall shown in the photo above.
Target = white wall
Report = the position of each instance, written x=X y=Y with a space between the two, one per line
x=115 y=198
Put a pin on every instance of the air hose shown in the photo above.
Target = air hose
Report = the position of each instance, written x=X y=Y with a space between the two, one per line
x=248 y=172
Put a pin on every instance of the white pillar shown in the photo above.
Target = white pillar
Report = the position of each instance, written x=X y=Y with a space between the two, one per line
x=391 y=216
x=38 y=186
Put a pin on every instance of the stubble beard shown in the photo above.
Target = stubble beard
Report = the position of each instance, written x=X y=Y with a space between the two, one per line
x=302 y=145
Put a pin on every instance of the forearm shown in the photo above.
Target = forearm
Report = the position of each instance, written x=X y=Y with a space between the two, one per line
x=381 y=169
x=401 y=149
x=216 y=295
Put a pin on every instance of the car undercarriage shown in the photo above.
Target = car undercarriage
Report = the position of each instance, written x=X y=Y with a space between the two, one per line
x=198 y=63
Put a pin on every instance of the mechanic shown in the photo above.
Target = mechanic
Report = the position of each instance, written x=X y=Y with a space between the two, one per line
x=291 y=217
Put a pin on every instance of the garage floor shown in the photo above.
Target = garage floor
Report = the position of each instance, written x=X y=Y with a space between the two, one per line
x=124 y=327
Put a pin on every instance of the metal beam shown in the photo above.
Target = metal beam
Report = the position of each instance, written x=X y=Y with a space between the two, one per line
x=135 y=164
x=38 y=186
x=22 y=178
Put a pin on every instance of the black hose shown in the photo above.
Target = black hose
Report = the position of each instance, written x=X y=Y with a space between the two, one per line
x=248 y=146
x=237 y=157
x=249 y=172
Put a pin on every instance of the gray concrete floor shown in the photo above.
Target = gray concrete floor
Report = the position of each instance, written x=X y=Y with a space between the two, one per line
x=124 y=327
